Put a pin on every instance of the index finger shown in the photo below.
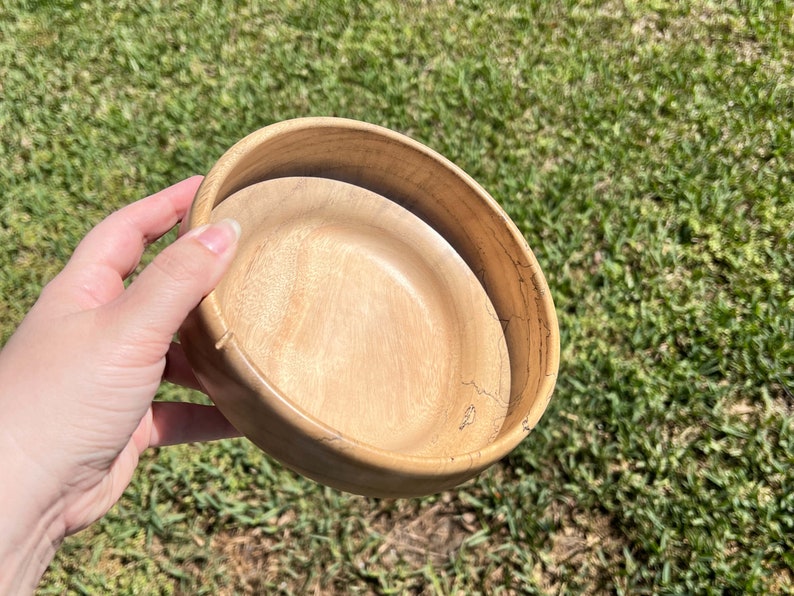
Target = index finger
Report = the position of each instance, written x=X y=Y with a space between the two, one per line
x=112 y=250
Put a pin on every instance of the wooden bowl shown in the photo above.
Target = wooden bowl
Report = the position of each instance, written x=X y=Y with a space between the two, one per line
x=384 y=329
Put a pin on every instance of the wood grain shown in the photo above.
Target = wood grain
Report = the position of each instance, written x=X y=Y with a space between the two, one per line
x=364 y=317
x=404 y=447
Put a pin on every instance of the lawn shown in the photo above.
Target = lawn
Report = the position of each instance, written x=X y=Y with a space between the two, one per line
x=645 y=150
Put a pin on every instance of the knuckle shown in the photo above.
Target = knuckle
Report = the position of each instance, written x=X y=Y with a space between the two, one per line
x=181 y=268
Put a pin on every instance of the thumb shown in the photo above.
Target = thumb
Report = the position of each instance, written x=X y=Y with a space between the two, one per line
x=165 y=292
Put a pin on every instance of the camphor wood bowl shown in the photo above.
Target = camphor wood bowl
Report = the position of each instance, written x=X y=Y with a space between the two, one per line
x=384 y=328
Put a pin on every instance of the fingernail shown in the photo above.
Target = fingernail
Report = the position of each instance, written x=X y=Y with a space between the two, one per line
x=220 y=237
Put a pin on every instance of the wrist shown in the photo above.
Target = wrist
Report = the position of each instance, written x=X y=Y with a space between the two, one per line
x=31 y=524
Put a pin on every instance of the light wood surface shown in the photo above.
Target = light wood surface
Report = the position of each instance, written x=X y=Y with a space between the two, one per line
x=447 y=438
x=364 y=317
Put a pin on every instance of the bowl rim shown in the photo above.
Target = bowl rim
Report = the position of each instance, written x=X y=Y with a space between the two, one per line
x=210 y=312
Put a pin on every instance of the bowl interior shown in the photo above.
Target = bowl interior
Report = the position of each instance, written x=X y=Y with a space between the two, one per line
x=364 y=317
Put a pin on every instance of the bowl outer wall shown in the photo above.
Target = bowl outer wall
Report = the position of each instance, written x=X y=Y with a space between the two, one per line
x=439 y=192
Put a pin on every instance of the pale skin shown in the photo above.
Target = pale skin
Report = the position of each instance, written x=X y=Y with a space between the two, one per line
x=78 y=377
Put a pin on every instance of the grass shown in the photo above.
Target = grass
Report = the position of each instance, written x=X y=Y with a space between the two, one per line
x=645 y=151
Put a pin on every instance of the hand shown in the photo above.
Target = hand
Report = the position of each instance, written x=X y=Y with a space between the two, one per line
x=78 y=377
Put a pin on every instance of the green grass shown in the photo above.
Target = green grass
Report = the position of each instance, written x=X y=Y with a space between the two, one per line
x=646 y=151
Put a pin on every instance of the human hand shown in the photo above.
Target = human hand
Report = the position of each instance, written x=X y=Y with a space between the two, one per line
x=78 y=377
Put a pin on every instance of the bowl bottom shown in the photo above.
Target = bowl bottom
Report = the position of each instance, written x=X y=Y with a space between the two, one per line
x=364 y=318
